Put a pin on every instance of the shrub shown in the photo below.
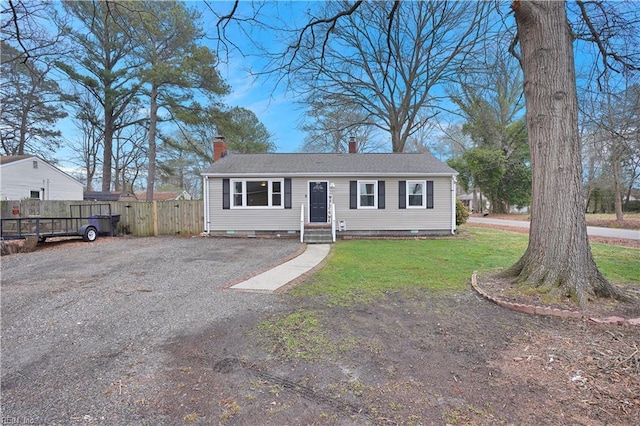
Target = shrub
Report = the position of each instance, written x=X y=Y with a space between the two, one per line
x=462 y=214
x=632 y=206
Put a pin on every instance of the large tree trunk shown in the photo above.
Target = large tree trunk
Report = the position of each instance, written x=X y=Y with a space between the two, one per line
x=153 y=120
x=558 y=260
x=107 y=152
x=397 y=145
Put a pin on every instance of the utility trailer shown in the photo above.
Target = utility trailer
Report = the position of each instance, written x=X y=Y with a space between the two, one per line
x=85 y=220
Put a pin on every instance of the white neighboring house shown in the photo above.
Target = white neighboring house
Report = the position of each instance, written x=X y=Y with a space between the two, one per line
x=27 y=176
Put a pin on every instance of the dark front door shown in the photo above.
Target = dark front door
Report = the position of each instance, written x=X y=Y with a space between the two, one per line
x=317 y=201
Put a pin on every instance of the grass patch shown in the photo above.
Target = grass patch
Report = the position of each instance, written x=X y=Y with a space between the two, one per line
x=364 y=270
x=617 y=264
x=301 y=335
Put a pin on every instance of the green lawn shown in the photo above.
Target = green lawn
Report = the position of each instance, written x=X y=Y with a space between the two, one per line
x=362 y=270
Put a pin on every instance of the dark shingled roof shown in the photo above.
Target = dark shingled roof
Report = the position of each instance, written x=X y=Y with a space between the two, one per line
x=101 y=196
x=374 y=164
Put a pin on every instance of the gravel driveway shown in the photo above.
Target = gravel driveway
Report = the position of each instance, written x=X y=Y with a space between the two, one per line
x=79 y=318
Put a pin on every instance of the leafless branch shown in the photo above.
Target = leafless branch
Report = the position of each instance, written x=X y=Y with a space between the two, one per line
x=332 y=21
x=512 y=49
x=14 y=19
x=609 y=57
x=223 y=20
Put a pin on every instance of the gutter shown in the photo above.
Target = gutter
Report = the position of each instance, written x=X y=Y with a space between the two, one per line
x=205 y=189
x=325 y=174
x=454 y=181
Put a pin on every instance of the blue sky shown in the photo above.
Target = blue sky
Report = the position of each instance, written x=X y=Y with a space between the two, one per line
x=274 y=106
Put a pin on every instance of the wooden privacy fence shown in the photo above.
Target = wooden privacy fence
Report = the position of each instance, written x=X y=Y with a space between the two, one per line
x=138 y=218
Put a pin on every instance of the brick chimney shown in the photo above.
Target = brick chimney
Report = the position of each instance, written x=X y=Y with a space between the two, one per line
x=219 y=148
x=352 y=145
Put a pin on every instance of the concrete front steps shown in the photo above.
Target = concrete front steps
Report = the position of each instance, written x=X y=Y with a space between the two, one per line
x=317 y=234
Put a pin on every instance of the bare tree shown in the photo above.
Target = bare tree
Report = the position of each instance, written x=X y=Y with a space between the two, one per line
x=24 y=26
x=612 y=118
x=30 y=98
x=130 y=154
x=387 y=62
x=331 y=125
x=88 y=121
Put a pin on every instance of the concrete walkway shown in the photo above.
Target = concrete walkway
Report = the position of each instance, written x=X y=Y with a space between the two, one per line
x=629 y=234
x=283 y=274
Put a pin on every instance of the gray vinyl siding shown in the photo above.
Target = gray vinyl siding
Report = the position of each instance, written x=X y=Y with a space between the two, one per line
x=391 y=218
x=252 y=219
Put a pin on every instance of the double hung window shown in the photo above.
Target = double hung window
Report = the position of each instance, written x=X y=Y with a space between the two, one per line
x=257 y=193
x=416 y=193
x=367 y=194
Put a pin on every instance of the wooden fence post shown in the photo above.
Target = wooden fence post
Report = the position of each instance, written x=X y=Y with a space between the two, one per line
x=155 y=218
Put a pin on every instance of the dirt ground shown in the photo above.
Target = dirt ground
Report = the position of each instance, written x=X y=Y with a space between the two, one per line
x=408 y=359
x=411 y=359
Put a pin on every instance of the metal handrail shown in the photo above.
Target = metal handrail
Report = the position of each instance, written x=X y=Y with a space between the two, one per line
x=333 y=222
x=302 y=223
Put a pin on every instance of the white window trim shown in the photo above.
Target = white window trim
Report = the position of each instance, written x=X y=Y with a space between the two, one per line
x=375 y=194
x=424 y=194
x=232 y=185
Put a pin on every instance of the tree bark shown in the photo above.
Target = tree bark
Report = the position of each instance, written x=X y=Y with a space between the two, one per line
x=558 y=260
x=153 y=120
x=107 y=152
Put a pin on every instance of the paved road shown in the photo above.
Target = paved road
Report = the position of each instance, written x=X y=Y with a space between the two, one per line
x=629 y=234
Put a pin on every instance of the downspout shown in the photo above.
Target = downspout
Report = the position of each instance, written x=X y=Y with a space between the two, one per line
x=454 y=181
x=205 y=189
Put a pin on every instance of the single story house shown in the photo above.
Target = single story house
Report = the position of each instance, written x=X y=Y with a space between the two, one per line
x=27 y=176
x=354 y=193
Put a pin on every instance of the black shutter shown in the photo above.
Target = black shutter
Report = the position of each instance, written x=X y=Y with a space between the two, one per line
x=287 y=193
x=429 y=194
x=226 y=194
x=402 y=197
x=353 y=194
x=381 y=194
